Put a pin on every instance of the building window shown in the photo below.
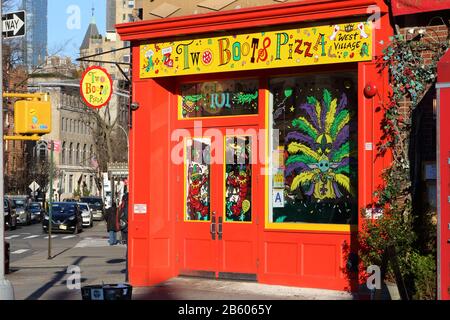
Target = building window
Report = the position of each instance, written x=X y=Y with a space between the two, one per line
x=77 y=155
x=62 y=124
x=90 y=183
x=70 y=154
x=84 y=154
x=71 y=183
x=314 y=149
x=63 y=153
x=219 y=98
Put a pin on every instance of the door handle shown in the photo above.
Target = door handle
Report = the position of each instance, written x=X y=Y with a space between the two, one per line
x=212 y=227
x=219 y=229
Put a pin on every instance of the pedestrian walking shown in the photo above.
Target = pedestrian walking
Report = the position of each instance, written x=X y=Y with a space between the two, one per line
x=111 y=218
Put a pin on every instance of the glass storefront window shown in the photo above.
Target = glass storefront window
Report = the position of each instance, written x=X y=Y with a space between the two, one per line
x=197 y=179
x=314 y=149
x=219 y=98
x=238 y=178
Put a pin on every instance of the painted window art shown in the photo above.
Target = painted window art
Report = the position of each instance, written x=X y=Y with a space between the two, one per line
x=219 y=98
x=314 y=149
x=197 y=183
x=238 y=178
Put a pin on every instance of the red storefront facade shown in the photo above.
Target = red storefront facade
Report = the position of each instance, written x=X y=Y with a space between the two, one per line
x=291 y=221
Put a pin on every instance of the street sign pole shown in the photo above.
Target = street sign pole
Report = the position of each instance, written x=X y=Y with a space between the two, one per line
x=6 y=288
x=50 y=203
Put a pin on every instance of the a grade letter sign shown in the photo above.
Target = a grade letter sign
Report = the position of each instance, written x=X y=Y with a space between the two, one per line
x=349 y=42
x=96 y=87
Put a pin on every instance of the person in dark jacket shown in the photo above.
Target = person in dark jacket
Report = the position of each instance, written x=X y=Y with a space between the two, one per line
x=111 y=223
x=124 y=228
x=123 y=211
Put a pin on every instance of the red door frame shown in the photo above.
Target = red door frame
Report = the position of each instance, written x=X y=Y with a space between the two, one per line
x=443 y=176
x=152 y=246
x=239 y=240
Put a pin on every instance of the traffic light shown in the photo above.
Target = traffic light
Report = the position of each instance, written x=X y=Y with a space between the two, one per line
x=32 y=117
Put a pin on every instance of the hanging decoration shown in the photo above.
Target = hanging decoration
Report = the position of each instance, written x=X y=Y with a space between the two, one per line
x=319 y=151
x=238 y=179
x=197 y=184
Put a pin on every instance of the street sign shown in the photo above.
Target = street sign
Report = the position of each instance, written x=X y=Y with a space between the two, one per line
x=34 y=186
x=14 y=24
x=96 y=87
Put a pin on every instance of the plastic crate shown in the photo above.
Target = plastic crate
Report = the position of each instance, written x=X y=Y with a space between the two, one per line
x=121 y=291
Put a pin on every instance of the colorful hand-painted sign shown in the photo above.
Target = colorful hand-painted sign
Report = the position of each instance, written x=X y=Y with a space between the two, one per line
x=96 y=87
x=337 y=43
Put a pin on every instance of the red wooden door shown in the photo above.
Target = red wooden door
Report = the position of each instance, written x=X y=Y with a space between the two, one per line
x=217 y=210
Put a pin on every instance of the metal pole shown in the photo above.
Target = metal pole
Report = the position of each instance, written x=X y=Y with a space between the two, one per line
x=50 y=202
x=6 y=288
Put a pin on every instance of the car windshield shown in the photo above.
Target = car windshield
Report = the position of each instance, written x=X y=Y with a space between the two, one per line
x=35 y=206
x=93 y=202
x=64 y=208
x=19 y=203
x=83 y=207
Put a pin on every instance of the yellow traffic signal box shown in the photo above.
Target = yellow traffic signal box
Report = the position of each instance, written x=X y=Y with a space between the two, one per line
x=32 y=117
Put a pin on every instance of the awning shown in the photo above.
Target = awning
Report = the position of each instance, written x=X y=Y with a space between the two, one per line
x=402 y=7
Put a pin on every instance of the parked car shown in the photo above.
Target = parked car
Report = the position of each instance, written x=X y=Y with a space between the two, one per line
x=97 y=206
x=6 y=256
x=36 y=210
x=66 y=217
x=10 y=215
x=86 y=214
x=19 y=203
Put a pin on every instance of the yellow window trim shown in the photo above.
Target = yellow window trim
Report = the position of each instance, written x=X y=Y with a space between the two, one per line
x=291 y=225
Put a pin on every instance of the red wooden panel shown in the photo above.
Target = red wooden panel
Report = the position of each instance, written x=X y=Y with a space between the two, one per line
x=162 y=249
x=199 y=254
x=319 y=260
x=138 y=259
x=238 y=256
x=281 y=258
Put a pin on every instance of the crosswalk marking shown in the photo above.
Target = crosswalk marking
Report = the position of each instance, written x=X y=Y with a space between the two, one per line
x=31 y=237
x=53 y=236
x=37 y=236
x=20 y=251
x=11 y=237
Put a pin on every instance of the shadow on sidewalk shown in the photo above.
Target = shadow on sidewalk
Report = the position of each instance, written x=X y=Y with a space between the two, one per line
x=57 y=278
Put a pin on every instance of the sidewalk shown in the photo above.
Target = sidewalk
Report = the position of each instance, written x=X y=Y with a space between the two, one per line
x=36 y=277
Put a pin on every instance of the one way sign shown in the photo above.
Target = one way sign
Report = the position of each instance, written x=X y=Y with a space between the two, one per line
x=13 y=24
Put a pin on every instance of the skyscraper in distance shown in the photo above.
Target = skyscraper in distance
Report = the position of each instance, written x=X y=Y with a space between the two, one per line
x=34 y=48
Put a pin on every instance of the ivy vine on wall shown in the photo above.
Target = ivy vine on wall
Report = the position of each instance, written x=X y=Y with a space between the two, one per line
x=410 y=78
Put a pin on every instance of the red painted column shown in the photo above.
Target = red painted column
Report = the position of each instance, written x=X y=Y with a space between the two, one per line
x=443 y=182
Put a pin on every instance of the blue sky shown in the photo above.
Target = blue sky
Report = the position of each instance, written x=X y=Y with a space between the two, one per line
x=58 y=32
x=67 y=41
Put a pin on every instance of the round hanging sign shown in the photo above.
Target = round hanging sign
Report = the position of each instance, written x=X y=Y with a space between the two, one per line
x=96 y=87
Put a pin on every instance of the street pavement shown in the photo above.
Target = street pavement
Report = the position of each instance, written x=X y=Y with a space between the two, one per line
x=28 y=240
x=35 y=277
